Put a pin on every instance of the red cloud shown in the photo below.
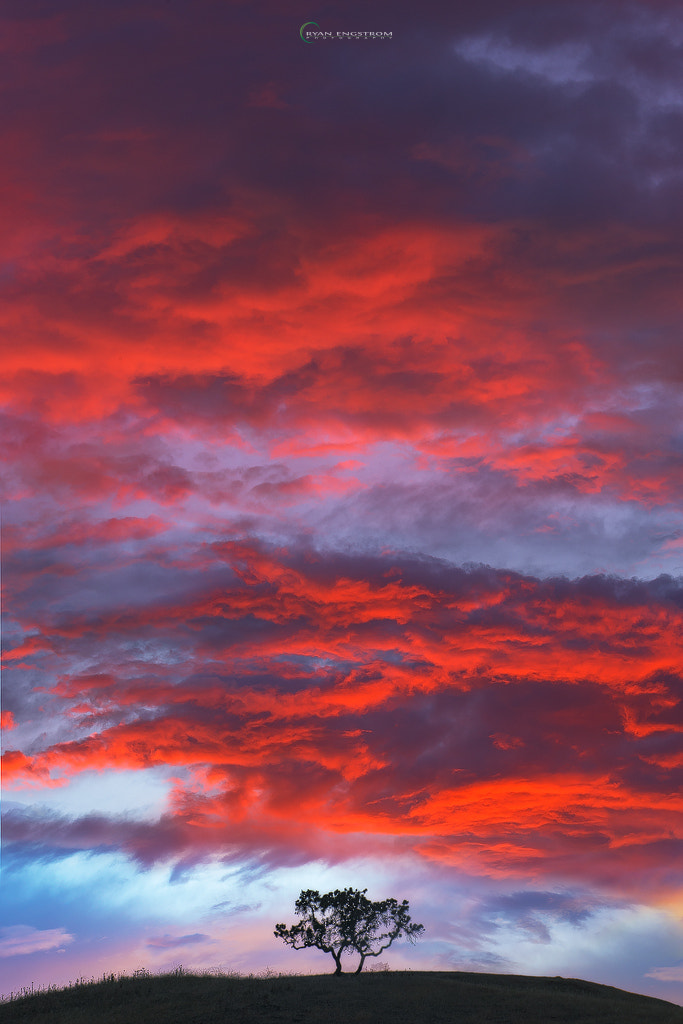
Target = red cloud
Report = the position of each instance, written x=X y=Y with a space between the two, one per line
x=422 y=334
x=78 y=532
x=376 y=696
x=183 y=311
x=7 y=720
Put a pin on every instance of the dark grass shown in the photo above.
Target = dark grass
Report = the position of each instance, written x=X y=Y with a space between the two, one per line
x=401 y=997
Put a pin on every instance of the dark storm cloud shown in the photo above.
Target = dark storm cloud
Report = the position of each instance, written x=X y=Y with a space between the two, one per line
x=574 y=130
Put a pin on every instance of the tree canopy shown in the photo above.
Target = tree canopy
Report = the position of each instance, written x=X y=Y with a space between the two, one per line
x=346 y=921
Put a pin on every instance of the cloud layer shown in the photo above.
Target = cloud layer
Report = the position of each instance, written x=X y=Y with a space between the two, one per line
x=341 y=458
x=475 y=715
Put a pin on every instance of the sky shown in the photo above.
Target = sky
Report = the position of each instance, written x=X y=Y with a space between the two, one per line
x=342 y=521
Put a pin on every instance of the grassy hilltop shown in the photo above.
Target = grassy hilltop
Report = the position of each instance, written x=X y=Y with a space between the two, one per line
x=403 y=997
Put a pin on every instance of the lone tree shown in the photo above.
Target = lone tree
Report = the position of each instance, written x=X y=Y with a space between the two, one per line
x=345 y=921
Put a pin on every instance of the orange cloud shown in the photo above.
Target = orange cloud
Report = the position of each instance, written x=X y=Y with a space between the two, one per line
x=7 y=720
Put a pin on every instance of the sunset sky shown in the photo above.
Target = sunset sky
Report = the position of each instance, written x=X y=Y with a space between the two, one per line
x=342 y=485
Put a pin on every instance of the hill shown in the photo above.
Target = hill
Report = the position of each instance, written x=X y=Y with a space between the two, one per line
x=404 y=997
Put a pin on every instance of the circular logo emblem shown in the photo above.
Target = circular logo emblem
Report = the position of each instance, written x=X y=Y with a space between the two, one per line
x=305 y=25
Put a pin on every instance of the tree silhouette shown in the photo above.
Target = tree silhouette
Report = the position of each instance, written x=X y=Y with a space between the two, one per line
x=345 y=921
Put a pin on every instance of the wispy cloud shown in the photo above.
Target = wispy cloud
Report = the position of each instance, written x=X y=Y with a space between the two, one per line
x=20 y=940
x=176 y=941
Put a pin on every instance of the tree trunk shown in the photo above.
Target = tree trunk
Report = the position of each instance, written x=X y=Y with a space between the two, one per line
x=337 y=960
x=360 y=965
